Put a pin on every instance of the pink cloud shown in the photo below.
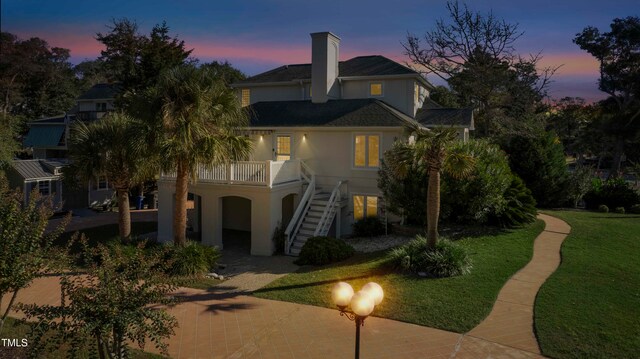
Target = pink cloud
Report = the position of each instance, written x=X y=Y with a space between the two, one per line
x=572 y=63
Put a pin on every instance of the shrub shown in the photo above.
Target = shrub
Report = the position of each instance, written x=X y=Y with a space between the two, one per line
x=368 y=227
x=520 y=207
x=448 y=259
x=603 y=208
x=538 y=159
x=479 y=197
x=324 y=250
x=635 y=209
x=192 y=259
x=612 y=193
x=619 y=210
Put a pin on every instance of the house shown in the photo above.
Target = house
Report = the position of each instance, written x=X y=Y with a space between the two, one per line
x=319 y=133
x=48 y=139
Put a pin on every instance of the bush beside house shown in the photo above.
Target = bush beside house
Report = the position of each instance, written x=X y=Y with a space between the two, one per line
x=324 y=250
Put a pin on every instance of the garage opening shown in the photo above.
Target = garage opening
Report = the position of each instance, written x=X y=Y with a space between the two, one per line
x=236 y=224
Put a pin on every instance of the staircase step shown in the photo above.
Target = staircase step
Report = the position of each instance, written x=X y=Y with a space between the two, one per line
x=306 y=232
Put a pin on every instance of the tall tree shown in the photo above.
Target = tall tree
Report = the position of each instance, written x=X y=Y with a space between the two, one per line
x=431 y=149
x=475 y=53
x=136 y=60
x=36 y=79
x=199 y=117
x=225 y=71
x=112 y=147
x=618 y=52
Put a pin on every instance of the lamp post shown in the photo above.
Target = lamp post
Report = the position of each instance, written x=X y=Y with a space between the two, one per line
x=362 y=304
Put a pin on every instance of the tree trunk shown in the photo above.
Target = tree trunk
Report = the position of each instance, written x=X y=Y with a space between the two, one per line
x=6 y=313
x=433 y=207
x=180 y=207
x=618 y=151
x=124 y=213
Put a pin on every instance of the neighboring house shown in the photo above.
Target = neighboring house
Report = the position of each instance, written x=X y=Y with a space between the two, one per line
x=48 y=139
x=319 y=132
x=43 y=175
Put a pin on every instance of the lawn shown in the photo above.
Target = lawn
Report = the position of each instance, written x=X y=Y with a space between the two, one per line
x=590 y=307
x=456 y=304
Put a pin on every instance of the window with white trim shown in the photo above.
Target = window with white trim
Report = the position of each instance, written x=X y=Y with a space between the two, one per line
x=246 y=97
x=375 y=89
x=101 y=183
x=416 y=95
x=283 y=147
x=44 y=187
x=364 y=206
x=366 y=151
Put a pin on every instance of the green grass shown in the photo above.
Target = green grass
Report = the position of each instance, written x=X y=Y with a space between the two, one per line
x=15 y=329
x=590 y=307
x=457 y=304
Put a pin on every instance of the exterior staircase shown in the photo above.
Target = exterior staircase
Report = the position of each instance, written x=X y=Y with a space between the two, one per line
x=311 y=220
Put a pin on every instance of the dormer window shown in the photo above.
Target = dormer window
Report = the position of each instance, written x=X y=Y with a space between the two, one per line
x=101 y=106
x=375 y=89
x=246 y=97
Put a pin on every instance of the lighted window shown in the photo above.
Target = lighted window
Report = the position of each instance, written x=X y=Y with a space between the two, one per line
x=364 y=206
x=366 y=151
x=44 y=187
x=283 y=148
x=375 y=89
x=416 y=98
x=246 y=97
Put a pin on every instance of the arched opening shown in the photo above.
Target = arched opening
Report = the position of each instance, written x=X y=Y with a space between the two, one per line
x=288 y=208
x=236 y=224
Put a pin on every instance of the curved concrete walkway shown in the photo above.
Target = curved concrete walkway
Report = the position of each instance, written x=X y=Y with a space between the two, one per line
x=510 y=322
x=230 y=323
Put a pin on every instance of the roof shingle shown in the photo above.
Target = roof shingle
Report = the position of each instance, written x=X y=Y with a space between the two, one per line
x=457 y=117
x=374 y=65
x=101 y=91
x=335 y=113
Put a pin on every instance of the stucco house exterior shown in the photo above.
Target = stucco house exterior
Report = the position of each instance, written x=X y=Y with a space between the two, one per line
x=319 y=132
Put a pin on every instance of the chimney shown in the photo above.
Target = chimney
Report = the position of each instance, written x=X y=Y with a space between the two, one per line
x=325 y=48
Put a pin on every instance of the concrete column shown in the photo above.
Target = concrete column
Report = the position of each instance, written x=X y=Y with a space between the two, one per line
x=211 y=225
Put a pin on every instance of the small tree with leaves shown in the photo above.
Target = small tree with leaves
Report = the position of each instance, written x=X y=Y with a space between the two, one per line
x=24 y=245
x=119 y=300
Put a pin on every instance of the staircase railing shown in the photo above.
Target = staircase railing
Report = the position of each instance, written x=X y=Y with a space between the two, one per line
x=298 y=216
x=329 y=211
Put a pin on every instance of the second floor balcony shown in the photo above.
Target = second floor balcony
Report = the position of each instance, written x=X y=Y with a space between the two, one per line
x=255 y=173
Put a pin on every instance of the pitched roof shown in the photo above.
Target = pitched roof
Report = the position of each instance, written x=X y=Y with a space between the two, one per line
x=101 y=91
x=374 y=65
x=36 y=169
x=334 y=113
x=456 y=117
x=45 y=135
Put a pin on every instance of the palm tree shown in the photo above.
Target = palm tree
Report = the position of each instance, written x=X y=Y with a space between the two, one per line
x=199 y=118
x=111 y=147
x=430 y=149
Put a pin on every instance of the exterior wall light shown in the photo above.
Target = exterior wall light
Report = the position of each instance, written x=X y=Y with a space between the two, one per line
x=362 y=304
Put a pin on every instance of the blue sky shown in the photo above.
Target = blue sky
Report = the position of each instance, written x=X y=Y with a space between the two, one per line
x=258 y=35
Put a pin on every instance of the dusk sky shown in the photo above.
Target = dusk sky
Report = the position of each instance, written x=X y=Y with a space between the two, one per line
x=258 y=35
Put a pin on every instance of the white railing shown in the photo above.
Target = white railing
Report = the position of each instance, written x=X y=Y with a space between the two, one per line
x=303 y=207
x=329 y=211
x=261 y=173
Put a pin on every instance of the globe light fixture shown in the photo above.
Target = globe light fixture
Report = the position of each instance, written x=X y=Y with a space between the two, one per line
x=362 y=304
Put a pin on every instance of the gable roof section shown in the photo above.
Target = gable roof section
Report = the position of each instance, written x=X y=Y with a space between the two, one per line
x=35 y=169
x=101 y=92
x=45 y=135
x=374 y=65
x=456 y=117
x=333 y=113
